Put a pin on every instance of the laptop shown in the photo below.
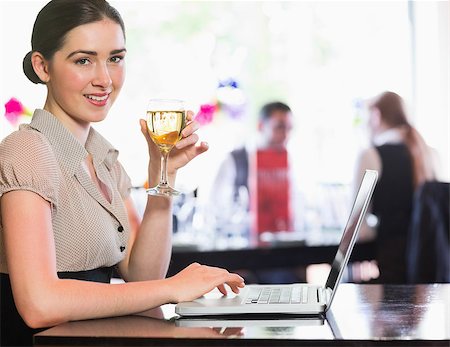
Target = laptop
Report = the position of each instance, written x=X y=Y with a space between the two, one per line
x=297 y=298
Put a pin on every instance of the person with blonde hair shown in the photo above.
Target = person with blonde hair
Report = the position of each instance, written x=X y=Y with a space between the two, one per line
x=404 y=162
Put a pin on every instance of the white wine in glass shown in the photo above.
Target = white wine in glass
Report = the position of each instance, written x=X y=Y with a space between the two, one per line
x=166 y=118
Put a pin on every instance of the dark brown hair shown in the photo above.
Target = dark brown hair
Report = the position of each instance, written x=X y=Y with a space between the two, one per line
x=56 y=19
x=393 y=114
x=268 y=109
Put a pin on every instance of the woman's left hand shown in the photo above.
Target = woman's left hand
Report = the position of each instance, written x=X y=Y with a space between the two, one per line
x=185 y=150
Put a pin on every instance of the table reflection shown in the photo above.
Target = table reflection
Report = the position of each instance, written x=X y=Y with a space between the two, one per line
x=391 y=312
x=153 y=325
x=265 y=327
x=370 y=314
x=407 y=318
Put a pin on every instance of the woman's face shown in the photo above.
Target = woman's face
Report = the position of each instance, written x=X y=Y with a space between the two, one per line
x=373 y=122
x=87 y=73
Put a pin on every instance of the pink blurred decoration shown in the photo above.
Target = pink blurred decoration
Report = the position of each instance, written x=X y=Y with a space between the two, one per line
x=230 y=101
x=14 y=110
x=206 y=114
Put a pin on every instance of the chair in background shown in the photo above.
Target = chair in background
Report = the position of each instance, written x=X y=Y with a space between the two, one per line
x=428 y=245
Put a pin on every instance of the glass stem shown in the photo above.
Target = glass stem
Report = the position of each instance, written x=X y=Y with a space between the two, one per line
x=164 y=156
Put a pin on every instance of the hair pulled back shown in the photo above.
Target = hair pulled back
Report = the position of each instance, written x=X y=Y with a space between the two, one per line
x=59 y=17
x=393 y=114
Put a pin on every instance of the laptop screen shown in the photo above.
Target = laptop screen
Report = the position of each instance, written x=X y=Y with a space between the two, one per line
x=351 y=229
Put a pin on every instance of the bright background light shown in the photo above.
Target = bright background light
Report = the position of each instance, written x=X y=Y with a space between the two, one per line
x=322 y=58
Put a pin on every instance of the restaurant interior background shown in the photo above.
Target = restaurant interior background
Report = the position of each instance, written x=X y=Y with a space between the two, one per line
x=324 y=59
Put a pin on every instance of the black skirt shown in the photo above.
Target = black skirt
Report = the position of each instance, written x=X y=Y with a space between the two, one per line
x=13 y=330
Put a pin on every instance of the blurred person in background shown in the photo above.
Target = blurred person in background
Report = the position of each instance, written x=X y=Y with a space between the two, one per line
x=233 y=189
x=404 y=161
x=274 y=126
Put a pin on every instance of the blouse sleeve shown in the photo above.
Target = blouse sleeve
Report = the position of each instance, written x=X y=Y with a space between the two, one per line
x=122 y=179
x=27 y=162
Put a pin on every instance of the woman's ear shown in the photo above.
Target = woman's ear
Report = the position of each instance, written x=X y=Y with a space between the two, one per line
x=40 y=66
x=377 y=114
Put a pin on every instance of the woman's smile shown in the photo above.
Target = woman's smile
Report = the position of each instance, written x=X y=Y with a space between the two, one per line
x=97 y=99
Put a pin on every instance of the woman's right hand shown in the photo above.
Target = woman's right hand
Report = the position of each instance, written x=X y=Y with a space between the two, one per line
x=196 y=280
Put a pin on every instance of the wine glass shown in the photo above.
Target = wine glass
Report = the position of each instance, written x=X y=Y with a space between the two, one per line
x=166 y=118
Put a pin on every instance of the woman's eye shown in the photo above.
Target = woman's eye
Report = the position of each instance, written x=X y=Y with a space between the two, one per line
x=82 y=61
x=116 y=59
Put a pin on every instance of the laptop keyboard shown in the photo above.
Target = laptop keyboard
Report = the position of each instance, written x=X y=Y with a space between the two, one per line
x=278 y=295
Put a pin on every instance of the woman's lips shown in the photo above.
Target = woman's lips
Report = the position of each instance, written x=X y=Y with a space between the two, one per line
x=97 y=99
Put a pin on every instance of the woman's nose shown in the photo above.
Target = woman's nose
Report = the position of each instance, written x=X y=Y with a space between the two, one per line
x=102 y=77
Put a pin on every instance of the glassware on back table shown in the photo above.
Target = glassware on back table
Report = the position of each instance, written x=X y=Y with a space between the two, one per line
x=166 y=118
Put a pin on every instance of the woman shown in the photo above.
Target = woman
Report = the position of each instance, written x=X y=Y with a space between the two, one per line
x=403 y=161
x=64 y=197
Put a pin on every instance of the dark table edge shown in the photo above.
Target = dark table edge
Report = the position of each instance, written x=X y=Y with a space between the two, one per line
x=158 y=341
x=288 y=256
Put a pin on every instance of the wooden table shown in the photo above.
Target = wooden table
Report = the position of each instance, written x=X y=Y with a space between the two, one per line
x=361 y=315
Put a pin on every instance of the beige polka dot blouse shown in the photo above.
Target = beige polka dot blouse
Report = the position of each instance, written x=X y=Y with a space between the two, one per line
x=45 y=158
